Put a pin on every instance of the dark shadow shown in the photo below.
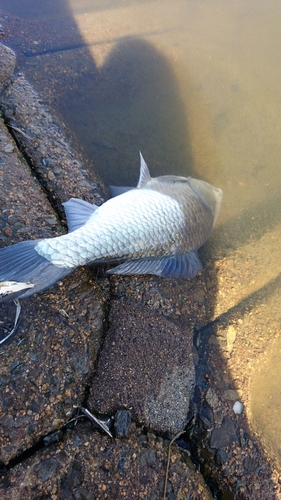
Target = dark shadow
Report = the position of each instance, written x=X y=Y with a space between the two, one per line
x=135 y=106
x=130 y=103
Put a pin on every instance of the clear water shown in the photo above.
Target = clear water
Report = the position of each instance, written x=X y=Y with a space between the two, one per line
x=266 y=400
x=194 y=85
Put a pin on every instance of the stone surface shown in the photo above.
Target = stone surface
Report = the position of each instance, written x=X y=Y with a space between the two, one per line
x=8 y=61
x=146 y=364
x=45 y=370
x=57 y=167
x=122 y=423
x=86 y=465
x=225 y=435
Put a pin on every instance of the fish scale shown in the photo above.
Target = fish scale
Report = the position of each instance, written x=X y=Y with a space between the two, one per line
x=113 y=233
x=155 y=228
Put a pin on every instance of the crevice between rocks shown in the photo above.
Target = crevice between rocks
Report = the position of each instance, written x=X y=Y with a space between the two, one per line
x=38 y=178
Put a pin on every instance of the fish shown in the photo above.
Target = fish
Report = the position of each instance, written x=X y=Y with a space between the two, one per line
x=155 y=228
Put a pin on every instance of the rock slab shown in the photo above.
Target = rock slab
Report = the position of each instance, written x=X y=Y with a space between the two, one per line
x=146 y=365
x=86 y=466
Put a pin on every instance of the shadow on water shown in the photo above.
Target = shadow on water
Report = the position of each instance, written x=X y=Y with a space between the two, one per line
x=130 y=102
x=136 y=106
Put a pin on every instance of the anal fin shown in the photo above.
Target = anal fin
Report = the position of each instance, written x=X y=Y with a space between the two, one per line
x=178 y=266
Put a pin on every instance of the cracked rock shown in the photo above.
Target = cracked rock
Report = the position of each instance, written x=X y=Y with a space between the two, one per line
x=43 y=372
x=87 y=465
x=146 y=364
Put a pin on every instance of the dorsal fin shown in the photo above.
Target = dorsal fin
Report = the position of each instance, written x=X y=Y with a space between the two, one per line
x=78 y=212
x=144 y=177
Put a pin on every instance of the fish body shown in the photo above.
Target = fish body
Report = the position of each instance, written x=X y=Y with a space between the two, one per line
x=155 y=228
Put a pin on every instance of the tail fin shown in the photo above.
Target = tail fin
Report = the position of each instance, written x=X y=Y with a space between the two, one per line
x=22 y=264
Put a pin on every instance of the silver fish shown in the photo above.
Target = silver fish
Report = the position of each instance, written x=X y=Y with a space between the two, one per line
x=155 y=228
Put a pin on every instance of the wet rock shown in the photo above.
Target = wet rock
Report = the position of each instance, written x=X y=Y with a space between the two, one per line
x=22 y=201
x=46 y=469
x=73 y=479
x=182 y=301
x=87 y=465
x=9 y=148
x=223 y=436
x=221 y=457
x=122 y=423
x=45 y=369
x=146 y=364
x=52 y=438
x=207 y=418
x=212 y=398
x=169 y=409
x=8 y=62
x=55 y=163
x=231 y=394
x=41 y=380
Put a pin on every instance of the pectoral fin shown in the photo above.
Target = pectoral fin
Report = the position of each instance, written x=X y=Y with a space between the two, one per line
x=177 y=266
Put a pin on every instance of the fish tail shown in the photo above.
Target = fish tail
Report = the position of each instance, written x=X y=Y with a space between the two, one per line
x=24 y=272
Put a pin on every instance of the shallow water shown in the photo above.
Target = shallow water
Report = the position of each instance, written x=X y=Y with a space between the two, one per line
x=266 y=400
x=196 y=87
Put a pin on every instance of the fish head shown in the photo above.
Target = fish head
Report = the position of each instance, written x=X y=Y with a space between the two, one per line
x=209 y=195
x=176 y=186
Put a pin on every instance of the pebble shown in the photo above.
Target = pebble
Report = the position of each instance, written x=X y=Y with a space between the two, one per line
x=238 y=408
x=122 y=423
